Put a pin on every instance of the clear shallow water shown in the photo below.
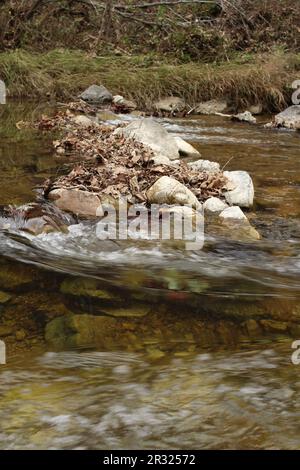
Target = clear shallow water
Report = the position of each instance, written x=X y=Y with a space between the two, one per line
x=119 y=397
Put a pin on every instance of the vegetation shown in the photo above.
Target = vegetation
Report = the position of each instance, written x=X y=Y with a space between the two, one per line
x=63 y=74
x=243 y=49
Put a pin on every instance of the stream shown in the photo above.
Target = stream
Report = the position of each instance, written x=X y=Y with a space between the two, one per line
x=143 y=344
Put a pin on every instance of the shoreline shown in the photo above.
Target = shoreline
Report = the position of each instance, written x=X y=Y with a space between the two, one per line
x=63 y=74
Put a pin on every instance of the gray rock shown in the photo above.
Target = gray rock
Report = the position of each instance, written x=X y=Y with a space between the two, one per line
x=290 y=118
x=96 y=94
x=168 y=190
x=214 y=204
x=241 y=189
x=121 y=101
x=170 y=104
x=152 y=134
x=211 y=107
x=205 y=165
x=186 y=149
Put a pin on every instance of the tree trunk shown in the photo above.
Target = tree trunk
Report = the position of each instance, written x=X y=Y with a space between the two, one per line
x=107 y=21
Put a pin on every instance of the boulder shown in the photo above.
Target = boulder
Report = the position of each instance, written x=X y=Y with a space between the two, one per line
x=171 y=104
x=214 y=204
x=290 y=118
x=168 y=190
x=96 y=94
x=76 y=201
x=211 y=107
x=152 y=134
x=2 y=92
x=205 y=165
x=185 y=149
x=240 y=189
x=240 y=228
x=244 y=117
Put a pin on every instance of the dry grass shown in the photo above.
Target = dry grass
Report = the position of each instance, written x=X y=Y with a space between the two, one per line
x=62 y=74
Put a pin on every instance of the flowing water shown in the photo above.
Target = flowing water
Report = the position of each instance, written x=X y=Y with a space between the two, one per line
x=98 y=333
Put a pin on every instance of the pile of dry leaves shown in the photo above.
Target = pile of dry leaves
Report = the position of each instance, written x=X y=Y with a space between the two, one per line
x=116 y=166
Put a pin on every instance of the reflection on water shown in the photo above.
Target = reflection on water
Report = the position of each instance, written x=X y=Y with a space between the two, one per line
x=92 y=400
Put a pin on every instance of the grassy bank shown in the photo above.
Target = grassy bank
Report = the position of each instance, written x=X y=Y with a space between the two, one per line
x=62 y=74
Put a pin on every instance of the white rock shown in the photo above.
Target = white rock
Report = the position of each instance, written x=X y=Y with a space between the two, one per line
x=186 y=149
x=205 y=165
x=211 y=107
x=214 y=204
x=162 y=160
x=233 y=213
x=245 y=117
x=82 y=121
x=290 y=118
x=170 y=104
x=256 y=109
x=152 y=134
x=241 y=191
x=168 y=190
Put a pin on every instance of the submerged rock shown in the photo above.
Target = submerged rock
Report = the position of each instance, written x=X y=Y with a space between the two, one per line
x=96 y=94
x=152 y=134
x=211 y=107
x=205 y=165
x=167 y=190
x=81 y=330
x=139 y=310
x=186 y=149
x=87 y=288
x=290 y=118
x=241 y=189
